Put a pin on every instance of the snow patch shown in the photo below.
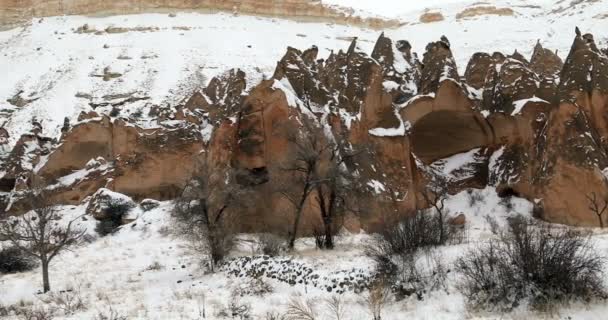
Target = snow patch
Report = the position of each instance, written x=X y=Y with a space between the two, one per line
x=519 y=104
x=377 y=186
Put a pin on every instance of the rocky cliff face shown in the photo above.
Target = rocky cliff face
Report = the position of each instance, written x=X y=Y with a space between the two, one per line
x=535 y=128
x=13 y=12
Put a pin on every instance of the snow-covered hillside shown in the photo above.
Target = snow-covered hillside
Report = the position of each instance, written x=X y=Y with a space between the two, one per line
x=62 y=68
x=145 y=271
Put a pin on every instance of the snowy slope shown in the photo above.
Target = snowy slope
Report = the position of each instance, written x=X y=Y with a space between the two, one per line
x=172 y=56
x=145 y=271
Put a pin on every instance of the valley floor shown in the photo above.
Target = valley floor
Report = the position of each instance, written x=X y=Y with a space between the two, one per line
x=144 y=271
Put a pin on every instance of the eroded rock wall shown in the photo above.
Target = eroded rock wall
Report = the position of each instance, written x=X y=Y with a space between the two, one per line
x=13 y=12
x=534 y=128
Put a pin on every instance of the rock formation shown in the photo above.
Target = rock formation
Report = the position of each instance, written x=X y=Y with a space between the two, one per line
x=13 y=12
x=534 y=128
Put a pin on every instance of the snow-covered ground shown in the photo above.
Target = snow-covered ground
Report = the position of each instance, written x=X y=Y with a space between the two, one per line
x=162 y=59
x=144 y=271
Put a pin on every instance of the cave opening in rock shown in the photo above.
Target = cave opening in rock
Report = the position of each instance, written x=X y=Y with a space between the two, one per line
x=508 y=193
x=7 y=184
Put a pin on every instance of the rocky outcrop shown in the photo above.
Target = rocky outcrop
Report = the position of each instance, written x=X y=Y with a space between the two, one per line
x=545 y=62
x=220 y=99
x=13 y=12
x=104 y=201
x=133 y=161
x=482 y=10
x=507 y=123
x=438 y=64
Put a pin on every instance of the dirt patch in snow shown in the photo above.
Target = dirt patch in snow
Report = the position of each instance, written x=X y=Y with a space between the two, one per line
x=484 y=10
x=430 y=17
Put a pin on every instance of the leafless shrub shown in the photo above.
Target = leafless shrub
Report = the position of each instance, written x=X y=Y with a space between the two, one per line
x=271 y=244
x=418 y=274
x=507 y=202
x=68 y=301
x=235 y=309
x=37 y=313
x=252 y=287
x=410 y=234
x=115 y=212
x=494 y=227
x=435 y=194
x=457 y=234
x=404 y=255
x=376 y=299
x=204 y=216
x=335 y=305
x=155 y=266
x=13 y=260
x=474 y=197
x=275 y=316
x=299 y=309
x=532 y=262
x=109 y=313
x=28 y=311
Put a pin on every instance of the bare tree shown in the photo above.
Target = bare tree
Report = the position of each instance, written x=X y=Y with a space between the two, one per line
x=316 y=168
x=335 y=184
x=40 y=233
x=309 y=148
x=598 y=207
x=435 y=194
x=203 y=212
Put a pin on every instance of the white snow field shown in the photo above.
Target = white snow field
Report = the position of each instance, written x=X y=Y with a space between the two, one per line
x=145 y=271
x=166 y=58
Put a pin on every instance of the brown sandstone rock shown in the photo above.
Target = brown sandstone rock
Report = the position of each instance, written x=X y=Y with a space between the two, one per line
x=477 y=69
x=545 y=62
x=438 y=64
x=459 y=220
x=430 y=17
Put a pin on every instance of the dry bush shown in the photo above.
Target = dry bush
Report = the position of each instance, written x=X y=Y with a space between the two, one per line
x=494 y=226
x=474 y=197
x=252 y=287
x=69 y=302
x=155 y=266
x=275 y=316
x=210 y=235
x=109 y=313
x=299 y=309
x=235 y=309
x=271 y=244
x=115 y=212
x=404 y=254
x=28 y=311
x=532 y=262
x=418 y=274
x=37 y=313
x=336 y=307
x=376 y=299
x=410 y=234
x=13 y=260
